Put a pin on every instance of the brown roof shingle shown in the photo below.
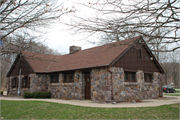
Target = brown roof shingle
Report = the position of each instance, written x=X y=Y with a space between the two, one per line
x=97 y=56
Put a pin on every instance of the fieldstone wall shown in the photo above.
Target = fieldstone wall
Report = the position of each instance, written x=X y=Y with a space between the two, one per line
x=37 y=83
x=129 y=91
x=67 y=90
x=100 y=85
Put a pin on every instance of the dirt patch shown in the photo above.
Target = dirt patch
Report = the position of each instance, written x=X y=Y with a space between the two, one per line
x=175 y=106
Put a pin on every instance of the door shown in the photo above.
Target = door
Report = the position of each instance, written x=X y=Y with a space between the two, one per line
x=87 y=86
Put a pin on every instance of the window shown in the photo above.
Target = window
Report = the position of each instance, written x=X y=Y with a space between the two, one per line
x=69 y=77
x=54 y=78
x=148 y=77
x=25 y=82
x=129 y=76
x=139 y=53
x=14 y=82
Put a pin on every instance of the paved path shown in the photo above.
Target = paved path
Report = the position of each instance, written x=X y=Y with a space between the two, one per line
x=88 y=103
x=172 y=93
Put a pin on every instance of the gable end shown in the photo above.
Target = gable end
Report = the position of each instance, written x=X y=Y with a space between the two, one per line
x=131 y=60
x=20 y=61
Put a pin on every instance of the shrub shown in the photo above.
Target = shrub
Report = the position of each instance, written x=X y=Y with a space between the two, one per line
x=37 y=95
x=28 y=95
x=42 y=95
x=1 y=92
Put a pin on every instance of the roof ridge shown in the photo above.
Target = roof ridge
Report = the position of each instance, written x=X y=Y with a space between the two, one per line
x=87 y=48
x=112 y=43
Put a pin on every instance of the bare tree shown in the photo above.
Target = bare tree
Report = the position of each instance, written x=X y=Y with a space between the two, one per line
x=19 y=22
x=170 y=62
x=175 y=61
x=141 y=17
x=115 y=36
x=19 y=43
x=29 y=14
x=154 y=44
x=5 y=63
x=26 y=17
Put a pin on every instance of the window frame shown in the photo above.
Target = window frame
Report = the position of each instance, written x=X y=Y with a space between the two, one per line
x=25 y=82
x=151 y=77
x=14 y=82
x=71 y=75
x=139 y=53
x=127 y=77
x=55 y=78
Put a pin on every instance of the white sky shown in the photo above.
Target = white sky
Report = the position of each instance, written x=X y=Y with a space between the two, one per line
x=59 y=38
x=62 y=39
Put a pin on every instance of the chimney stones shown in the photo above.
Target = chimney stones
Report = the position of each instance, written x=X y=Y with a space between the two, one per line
x=74 y=49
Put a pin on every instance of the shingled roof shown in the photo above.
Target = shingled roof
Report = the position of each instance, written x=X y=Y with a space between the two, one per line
x=94 y=57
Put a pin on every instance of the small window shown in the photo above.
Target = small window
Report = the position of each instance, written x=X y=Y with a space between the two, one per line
x=14 y=82
x=54 y=78
x=148 y=77
x=25 y=82
x=69 y=77
x=139 y=53
x=129 y=76
x=147 y=57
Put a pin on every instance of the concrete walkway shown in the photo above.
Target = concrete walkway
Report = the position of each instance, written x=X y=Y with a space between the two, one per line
x=88 y=103
x=172 y=93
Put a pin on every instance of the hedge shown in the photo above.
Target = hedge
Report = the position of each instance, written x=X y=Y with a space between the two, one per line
x=37 y=95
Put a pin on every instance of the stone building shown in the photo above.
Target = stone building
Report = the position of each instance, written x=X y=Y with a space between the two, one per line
x=121 y=71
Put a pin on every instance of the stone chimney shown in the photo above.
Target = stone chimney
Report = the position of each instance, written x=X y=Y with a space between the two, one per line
x=74 y=49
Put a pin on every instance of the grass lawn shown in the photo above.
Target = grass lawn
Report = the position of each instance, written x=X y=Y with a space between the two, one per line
x=48 y=110
x=172 y=94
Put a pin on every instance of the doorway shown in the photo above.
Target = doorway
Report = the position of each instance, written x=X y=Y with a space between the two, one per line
x=87 y=86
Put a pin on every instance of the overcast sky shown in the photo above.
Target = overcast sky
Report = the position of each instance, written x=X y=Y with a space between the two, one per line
x=59 y=38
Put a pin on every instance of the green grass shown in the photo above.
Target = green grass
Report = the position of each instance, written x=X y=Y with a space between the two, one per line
x=48 y=110
x=172 y=94
x=177 y=91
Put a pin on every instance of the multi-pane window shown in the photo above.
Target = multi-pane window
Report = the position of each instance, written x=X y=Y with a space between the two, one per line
x=69 y=77
x=54 y=78
x=14 y=82
x=148 y=77
x=129 y=76
x=25 y=82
